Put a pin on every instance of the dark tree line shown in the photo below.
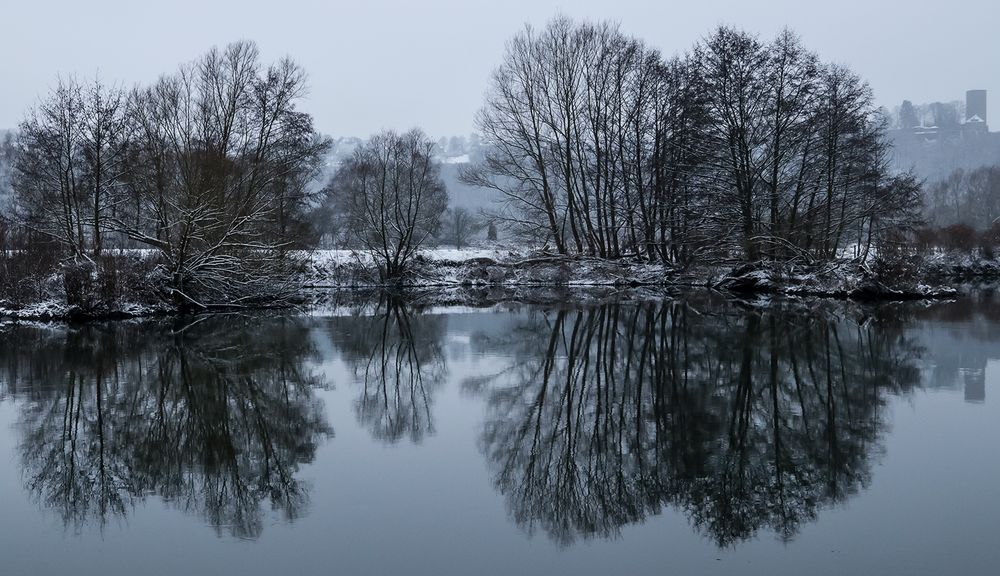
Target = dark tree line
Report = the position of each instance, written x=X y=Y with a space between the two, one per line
x=208 y=169
x=739 y=149
x=215 y=421
x=739 y=420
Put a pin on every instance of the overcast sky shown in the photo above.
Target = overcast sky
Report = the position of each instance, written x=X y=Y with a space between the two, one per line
x=378 y=64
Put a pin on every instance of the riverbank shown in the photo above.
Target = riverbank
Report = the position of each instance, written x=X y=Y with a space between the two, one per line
x=482 y=277
x=512 y=270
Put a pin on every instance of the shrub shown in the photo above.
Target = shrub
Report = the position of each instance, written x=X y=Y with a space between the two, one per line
x=25 y=276
x=961 y=237
x=926 y=239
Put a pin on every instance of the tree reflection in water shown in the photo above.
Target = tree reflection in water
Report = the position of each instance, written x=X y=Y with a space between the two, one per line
x=398 y=359
x=215 y=421
x=742 y=420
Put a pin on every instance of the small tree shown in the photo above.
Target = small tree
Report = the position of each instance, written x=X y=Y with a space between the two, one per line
x=908 y=116
x=460 y=226
x=390 y=198
x=8 y=151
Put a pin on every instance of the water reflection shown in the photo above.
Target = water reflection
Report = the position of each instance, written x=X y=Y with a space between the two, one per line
x=741 y=420
x=973 y=321
x=213 y=417
x=398 y=360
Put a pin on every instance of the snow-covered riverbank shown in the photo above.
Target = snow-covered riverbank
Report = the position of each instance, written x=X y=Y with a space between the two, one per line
x=491 y=276
x=514 y=269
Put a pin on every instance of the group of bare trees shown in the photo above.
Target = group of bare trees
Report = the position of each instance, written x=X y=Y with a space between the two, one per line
x=208 y=169
x=969 y=197
x=741 y=148
x=460 y=227
x=70 y=161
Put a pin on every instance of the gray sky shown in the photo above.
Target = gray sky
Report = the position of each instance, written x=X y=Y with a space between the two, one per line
x=394 y=64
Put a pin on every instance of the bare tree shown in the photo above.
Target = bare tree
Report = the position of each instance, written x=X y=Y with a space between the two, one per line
x=459 y=227
x=104 y=141
x=742 y=149
x=71 y=153
x=220 y=153
x=8 y=151
x=390 y=197
x=7 y=155
x=212 y=168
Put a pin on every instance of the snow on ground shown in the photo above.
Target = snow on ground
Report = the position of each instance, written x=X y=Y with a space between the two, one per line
x=484 y=275
x=493 y=266
x=341 y=257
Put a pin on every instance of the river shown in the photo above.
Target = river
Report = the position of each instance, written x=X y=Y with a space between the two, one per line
x=695 y=435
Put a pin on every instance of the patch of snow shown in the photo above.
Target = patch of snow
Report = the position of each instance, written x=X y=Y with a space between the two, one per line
x=371 y=309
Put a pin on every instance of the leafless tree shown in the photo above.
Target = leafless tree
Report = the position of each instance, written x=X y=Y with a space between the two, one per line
x=70 y=159
x=390 y=197
x=741 y=149
x=460 y=226
x=8 y=151
x=220 y=154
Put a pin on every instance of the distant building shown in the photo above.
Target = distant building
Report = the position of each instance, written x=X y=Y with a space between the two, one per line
x=975 y=106
x=935 y=139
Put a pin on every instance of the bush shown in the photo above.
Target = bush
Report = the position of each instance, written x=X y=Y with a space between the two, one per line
x=79 y=279
x=111 y=281
x=989 y=240
x=926 y=239
x=26 y=276
x=961 y=237
x=896 y=261
x=104 y=285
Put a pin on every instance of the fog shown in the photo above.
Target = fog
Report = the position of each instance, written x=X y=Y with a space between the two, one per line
x=394 y=64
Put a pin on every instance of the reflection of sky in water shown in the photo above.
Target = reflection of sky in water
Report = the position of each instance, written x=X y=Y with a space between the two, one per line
x=434 y=505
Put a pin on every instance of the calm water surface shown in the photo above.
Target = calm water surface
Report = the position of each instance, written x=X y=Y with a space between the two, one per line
x=695 y=436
